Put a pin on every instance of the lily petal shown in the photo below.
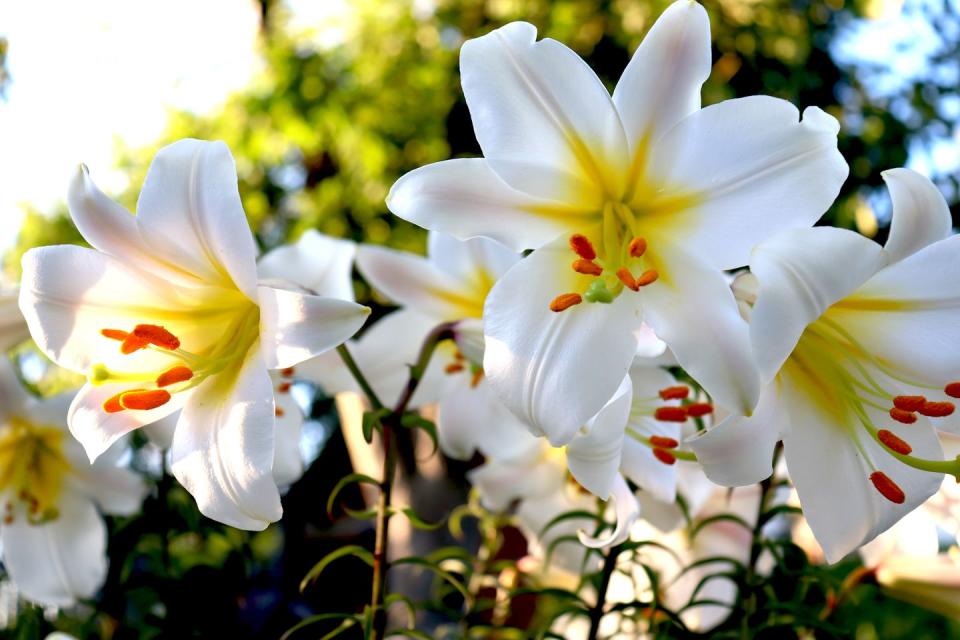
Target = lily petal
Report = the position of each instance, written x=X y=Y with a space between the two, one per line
x=594 y=457
x=642 y=468
x=320 y=264
x=627 y=511
x=661 y=84
x=287 y=461
x=555 y=371
x=470 y=260
x=532 y=475
x=59 y=561
x=189 y=212
x=13 y=396
x=223 y=447
x=295 y=326
x=742 y=160
x=472 y=419
x=799 y=280
x=98 y=430
x=920 y=213
x=841 y=505
x=115 y=490
x=906 y=315
x=713 y=347
x=541 y=115
x=739 y=451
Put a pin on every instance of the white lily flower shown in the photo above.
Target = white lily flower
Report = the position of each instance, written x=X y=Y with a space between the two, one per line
x=854 y=342
x=53 y=537
x=13 y=328
x=633 y=203
x=166 y=313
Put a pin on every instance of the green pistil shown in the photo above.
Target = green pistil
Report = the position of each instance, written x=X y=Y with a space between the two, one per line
x=598 y=292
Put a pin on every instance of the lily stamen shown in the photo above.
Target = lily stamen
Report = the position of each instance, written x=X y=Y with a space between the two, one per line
x=174 y=375
x=453 y=367
x=582 y=246
x=893 y=442
x=664 y=456
x=887 y=487
x=936 y=409
x=909 y=403
x=624 y=275
x=587 y=267
x=671 y=414
x=699 y=409
x=564 y=301
x=143 y=399
x=647 y=277
x=952 y=389
x=900 y=415
x=674 y=393
x=664 y=442
x=637 y=247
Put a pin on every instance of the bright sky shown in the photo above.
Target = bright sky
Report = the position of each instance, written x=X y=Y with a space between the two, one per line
x=86 y=74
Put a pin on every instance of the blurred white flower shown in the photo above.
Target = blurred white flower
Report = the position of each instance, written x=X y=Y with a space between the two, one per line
x=633 y=204
x=54 y=539
x=166 y=313
x=852 y=339
x=13 y=327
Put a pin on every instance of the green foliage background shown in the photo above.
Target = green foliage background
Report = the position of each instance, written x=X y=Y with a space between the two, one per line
x=320 y=137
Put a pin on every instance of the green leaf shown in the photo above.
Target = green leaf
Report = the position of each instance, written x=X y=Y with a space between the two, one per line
x=353 y=478
x=571 y=515
x=349 y=550
x=723 y=517
x=372 y=420
x=312 y=620
x=416 y=421
x=440 y=573
x=418 y=522
x=393 y=598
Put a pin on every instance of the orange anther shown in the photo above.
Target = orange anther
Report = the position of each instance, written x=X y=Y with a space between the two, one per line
x=909 y=403
x=112 y=404
x=131 y=344
x=477 y=377
x=671 y=414
x=638 y=247
x=952 y=389
x=674 y=393
x=587 y=267
x=647 y=277
x=157 y=335
x=664 y=456
x=698 y=409
x=937 y=409
x=663 y=442
x=453 y=367
x=284 y=387
x=627 y=279
x=287 y=373
x=892 y=442
x=564 y=301
x=459 y=356
x=582 y=247
x=144 y=400
x=906 y=417
x=174 y=375
x=114 y=334
x=277 y=411
x=887 y=487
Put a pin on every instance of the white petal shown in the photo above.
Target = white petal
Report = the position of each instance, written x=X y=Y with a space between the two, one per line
x=840 y=503
x=115 y=490
x=287 y=461
x=471 y=419
x=544 y=120
x=907 y=315
x=190 y=215
x=60 y=561
x=13 y=326
x=414 y=282
x=755 y=169
x=67 y=312
x=643 y=469
x=160 y=433
x=537 y=473
x=470 y=260
x=468 y=334
x=739 y=451
x=627 y=510
x=13 y=396
x=318 y=263
x=223 y=447
x=98 y=430
x=649 y=380
x=295 y=326
x=661 y=84
x=802 y=273
x=466 y=198
x=920 y=213
x=593 y=457
x=713 y=347
x=555 y=371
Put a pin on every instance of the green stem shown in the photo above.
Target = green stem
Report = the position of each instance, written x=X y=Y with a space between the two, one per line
x=597 y=611
x=389 y=425
x=359 y=377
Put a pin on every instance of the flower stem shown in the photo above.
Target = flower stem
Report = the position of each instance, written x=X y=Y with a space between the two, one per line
x=596 y=612
x=389 y=424
x=359 y=377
